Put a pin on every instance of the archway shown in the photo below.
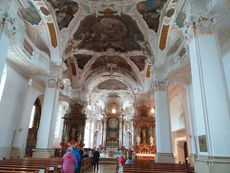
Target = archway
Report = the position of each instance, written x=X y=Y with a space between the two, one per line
x=33 y=128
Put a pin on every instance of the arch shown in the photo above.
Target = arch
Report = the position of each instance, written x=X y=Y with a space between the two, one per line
x=33 y=127
x=97 y=138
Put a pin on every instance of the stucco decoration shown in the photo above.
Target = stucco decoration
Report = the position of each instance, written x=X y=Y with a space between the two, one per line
x=175 y=46
x=150 y=10
x=112 y=84
x=65 y=10
x=119 y=62
x=139 y=61
x=30 y=14
x=82 y=60
x=104 y=32
x=170 y=12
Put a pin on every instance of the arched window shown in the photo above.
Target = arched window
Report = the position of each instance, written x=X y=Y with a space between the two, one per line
x=3 y=81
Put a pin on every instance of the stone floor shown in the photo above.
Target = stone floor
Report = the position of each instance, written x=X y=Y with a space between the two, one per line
x=103 y=168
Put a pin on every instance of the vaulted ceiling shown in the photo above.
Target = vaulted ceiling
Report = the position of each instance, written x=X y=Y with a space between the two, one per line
x=107 y=47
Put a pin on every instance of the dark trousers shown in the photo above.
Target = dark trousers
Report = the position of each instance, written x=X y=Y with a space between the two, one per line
x=95 y=163
x=79 y=168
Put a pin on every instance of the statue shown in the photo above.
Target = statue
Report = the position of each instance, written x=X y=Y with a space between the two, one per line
x=144 y=136
x=73 y=133
x=138 y=140
x=151 y=141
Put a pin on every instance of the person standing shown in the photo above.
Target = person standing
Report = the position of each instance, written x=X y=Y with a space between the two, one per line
x=68 y=161
x=81 y=158
x=96 y=156
x=78 y=158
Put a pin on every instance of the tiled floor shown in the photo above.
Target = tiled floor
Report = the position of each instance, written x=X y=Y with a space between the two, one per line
x=103 y=168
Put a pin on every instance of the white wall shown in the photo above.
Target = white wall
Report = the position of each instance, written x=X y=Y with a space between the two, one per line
x=226 y=65
x=177 y=114
x=12 y=108
x=177 y=110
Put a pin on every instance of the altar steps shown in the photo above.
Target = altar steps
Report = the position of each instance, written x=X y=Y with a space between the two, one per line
x=108 y=160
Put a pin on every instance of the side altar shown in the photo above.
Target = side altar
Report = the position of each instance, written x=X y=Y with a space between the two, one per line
x=74 y=125
x=145 y=143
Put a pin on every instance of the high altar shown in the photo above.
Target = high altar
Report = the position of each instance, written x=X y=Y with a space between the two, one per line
x=145 y=143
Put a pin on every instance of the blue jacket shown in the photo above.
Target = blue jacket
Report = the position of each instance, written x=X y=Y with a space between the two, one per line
x=77 y=156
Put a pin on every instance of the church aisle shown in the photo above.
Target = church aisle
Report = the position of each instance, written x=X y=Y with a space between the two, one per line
x=103 y=168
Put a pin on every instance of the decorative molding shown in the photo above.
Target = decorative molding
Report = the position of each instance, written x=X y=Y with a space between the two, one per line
x=160 y=85
x=52 y=83
x=7 y=24
x=198 y=25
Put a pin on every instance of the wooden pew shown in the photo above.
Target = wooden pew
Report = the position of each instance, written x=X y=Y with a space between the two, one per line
x=46 y=165
x=49 y=165
x=18 y=169
x=140 y=166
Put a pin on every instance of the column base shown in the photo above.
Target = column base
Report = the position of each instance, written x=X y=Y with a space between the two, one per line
x=43 y=152
x=164 y=158
x=207 y=164
x=17 y=152
x=4 y=152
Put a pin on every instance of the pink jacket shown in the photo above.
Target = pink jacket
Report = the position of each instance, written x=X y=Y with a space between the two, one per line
x=68 y=161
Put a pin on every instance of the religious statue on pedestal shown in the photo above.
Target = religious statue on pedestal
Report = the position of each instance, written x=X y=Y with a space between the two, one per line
x=138 y=139
x=73 y=133
x=151 y=141
x=143 y=136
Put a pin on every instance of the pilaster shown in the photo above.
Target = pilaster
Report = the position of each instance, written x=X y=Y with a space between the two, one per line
x=211 y=106
x=43 y=146
x=163 y=123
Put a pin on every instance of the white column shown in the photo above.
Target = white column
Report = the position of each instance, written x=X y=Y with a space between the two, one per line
x=44 y=132
x=90 y=133
x=104 y=132
x=212 y=115
x=189 y=123
x=163 y=124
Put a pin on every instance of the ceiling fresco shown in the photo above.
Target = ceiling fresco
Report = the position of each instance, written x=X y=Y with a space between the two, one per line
x=150 y=11
x=30 y=14
x=82 y=60
x=139 y=61
x=105 y=32
x=112 y=84
x=65 y=10
x=116 y=60
x=180 y=19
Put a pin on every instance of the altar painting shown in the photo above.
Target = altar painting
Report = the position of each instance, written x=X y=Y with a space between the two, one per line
x=112 y=135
